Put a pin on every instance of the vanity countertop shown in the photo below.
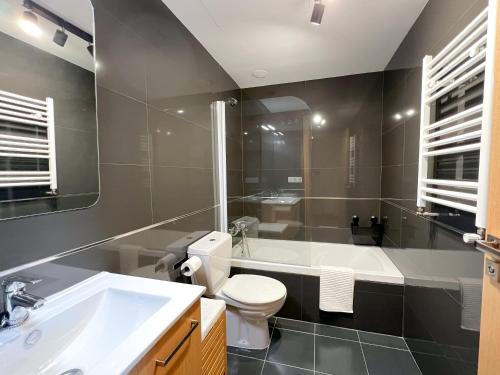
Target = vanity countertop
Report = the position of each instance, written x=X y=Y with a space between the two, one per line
x=211 y=310
x=103 y=325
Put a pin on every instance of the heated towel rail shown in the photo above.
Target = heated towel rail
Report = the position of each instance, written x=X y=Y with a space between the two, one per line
x=468 y=57
x=27 y=132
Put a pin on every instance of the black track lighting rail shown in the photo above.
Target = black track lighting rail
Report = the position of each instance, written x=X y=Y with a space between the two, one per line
x=55 y=19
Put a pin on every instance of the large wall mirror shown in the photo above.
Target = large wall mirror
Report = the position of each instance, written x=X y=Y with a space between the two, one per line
x=48 y=121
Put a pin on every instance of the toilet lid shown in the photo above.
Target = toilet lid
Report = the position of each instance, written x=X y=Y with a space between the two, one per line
x=254 y=289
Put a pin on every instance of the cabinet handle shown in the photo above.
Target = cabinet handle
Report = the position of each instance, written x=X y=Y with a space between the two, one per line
x=163 y=363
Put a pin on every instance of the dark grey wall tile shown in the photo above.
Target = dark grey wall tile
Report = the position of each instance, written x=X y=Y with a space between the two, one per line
x=170 y=196
x=234 y=183
x=77 y=161
x=411 y=140
x=335 y=182
x=392 y=181
x=330 y=235
x=394 y=103
x=437 y=24
x=234 y=153
x=339 y=212
x=175 y=142
x=123 y=129
x=393 y=141
x=392 y=219
x=409 y=183
x=119 y=70
x=109 y=217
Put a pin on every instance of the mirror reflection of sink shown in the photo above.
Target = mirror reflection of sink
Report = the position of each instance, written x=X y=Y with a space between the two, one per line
x=282 y=201
x=103 y=325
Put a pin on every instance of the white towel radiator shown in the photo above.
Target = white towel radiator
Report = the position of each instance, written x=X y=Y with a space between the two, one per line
x=468 y=56
x=27 y=132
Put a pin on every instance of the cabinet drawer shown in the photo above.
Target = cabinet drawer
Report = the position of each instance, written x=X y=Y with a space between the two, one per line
x=187 y=359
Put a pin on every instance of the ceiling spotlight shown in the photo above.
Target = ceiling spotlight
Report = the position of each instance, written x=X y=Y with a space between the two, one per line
x=180 y=111
x=411 y=112
x=280 y=133
x=317 y=119
x=60 y=38
x=323 y=122
x=265 y=128
x=271 y=127
x=397 y=116
x=90 y=48
x=317 y=14
x=29 y=24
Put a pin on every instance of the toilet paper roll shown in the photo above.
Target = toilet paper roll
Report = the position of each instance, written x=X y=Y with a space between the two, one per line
x=190 y=266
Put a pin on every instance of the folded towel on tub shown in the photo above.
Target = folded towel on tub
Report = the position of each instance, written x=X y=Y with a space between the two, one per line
x=471 y=293
x=336 y=289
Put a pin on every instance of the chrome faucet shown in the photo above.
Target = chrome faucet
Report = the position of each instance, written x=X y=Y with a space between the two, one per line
x=14 y=295
x=237 y=228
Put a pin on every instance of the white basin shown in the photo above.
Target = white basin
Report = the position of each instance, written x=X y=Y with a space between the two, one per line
x=103 y=325
x=282 y=201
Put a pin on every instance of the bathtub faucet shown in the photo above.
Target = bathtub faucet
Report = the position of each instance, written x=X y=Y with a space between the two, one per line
x=237 y=228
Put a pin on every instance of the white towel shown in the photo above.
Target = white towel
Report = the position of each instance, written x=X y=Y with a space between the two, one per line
x=336 y=289
x=471 y=291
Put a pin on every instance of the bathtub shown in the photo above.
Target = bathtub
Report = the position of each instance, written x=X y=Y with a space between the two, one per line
x=305 y=258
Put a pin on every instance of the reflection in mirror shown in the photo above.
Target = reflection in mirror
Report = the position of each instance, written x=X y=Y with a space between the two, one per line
x=48 y=123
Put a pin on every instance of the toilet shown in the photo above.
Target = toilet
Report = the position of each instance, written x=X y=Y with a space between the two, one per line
x=250 y=299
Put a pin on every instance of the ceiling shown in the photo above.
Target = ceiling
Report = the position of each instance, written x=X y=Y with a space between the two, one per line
x=356 y=36
x=78 y=12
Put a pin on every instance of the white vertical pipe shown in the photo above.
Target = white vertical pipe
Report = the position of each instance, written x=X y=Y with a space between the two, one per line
x=489 y=83
x=425 y=118
x=51 y=137
x=220 y=169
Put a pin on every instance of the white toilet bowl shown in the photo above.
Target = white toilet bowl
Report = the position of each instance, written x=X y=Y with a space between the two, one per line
x=251 y=300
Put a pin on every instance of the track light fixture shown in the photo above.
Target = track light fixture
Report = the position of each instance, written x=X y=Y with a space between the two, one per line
x=29 y=24
x=317 y=14
x=60 y=37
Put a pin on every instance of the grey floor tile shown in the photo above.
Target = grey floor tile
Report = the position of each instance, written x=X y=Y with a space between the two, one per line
x=292 y=348
x=257 y=354
x=237 y=365
x=384 y=340
x=383 y=361
x=277 y=369
x=341 y=333
x=295 y=325
x=339 y=357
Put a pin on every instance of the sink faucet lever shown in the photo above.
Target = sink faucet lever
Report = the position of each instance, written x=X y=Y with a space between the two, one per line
x=14 y=295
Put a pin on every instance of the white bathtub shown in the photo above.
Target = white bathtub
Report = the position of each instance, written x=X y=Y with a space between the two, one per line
x=368 y=262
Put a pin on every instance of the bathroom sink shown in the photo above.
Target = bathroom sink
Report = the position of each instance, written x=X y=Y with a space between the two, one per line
x=282 y=201
x=103 y=325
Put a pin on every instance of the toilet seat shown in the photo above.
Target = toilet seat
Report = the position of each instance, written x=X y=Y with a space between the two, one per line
x=254 y=290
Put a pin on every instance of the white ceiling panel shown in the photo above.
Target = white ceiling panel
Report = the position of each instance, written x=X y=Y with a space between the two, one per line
x=356 y=36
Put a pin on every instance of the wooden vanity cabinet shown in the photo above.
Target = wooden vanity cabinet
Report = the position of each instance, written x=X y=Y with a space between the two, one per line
x=185 y=336
x=213 y=349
